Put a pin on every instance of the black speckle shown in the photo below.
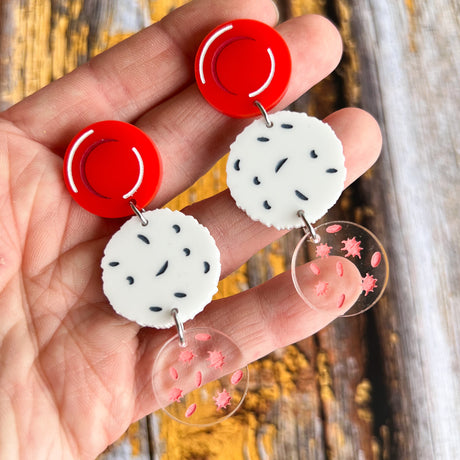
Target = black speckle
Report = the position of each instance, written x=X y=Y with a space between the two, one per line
x=176 y=228
x=143 y=238
x=263 y=139
x=155 y=309
x=280 y=164
x=114 y=264
x=207 y=267
x=130 y=280
x=236 y=165
x=162 y=269
x=313 y=154
x=266 y=205
x=331 y=170
x=180 y=295
x=256 y=180
x=286 y=126
x=301 y=195
x=187 y=252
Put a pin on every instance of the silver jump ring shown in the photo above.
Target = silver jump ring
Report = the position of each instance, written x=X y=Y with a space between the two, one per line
x=264 y=113
x=179 y=326
x=308 y=228
x=139 y=214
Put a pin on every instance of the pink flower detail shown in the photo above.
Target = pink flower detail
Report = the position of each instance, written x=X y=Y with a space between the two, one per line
x=315 y=269
x=352 y=247
x=216 y=359
x=173 y=373
x=341 y=301
x=198 y=379
x=321 y=288
x=339 y=269
x=222 y=399
x=369 y=283
x=323 y=250
x=190 y=410
x=334 y=228
x=376 y=259
x=236 y=377
x=202 y=337
x=175 y=394
x=186 y=356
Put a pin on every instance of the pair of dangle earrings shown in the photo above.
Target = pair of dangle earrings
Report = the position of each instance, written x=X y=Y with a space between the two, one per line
x=162 y=267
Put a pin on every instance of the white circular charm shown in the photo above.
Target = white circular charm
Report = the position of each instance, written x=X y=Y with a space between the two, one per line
x=297 y=164
x=173 y=262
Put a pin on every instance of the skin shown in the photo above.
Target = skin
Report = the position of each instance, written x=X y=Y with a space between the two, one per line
x=74 y=374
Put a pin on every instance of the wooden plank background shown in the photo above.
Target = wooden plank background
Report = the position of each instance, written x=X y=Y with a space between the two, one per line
x=384 y=385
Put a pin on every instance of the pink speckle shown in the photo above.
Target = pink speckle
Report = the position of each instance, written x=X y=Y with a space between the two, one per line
x=333 y=228
x=321 y=288
x=198 y=379
x=202 y=337
x=216 y=359
x=352 y=247
x=190 y=410
x=323 y=250
x=339 y=269
x=341 y=301
x=315 y=269
x=376 y=259
x=369 y=283
x=222 y=399
x=236 y=377
x=173 y=373
x=175 y=394
x=186 y=356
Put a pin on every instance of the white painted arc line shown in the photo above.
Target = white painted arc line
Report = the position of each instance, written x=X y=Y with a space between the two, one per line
x=73 y=150
x=141 y=174
x=211 y=40
x=270 y=77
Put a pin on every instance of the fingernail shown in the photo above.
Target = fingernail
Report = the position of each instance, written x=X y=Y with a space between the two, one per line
x=277 y=11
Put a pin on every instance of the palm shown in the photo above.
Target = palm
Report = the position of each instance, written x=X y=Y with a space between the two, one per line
x=64 y=338
x=73 y=373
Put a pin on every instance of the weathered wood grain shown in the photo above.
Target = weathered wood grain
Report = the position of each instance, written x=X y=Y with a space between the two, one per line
x=381 y=386
x=410 y=75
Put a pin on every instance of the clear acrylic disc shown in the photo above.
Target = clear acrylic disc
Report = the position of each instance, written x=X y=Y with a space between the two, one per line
x=346 y=268
x=200 y=383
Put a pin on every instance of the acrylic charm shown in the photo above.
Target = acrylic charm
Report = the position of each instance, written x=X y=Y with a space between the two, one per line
x=343 y=267
x=240 y=62
x=197 y=379
x=172 y=262
x=295 y=164
x=110 y=164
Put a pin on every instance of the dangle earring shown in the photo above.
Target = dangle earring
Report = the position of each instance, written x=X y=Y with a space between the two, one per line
x=287 y=169
x=159 y=269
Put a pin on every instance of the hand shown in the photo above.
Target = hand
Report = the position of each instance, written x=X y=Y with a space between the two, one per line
x=74 y=374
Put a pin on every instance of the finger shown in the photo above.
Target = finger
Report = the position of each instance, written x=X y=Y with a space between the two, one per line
x=192 y=136
x=259 y=320
x=232 y=228
x=125 y=81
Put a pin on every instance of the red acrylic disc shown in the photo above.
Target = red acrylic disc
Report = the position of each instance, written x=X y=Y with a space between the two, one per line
x=240 y=62
x=109 y=164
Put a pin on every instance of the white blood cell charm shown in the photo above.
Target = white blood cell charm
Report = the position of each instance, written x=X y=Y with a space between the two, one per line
x=295 y=164
x=171 y=263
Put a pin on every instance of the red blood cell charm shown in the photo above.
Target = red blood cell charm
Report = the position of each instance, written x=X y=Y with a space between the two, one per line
x=110 y=164
x=241 y=62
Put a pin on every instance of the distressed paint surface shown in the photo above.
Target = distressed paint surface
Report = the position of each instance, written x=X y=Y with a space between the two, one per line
x=381 y=386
